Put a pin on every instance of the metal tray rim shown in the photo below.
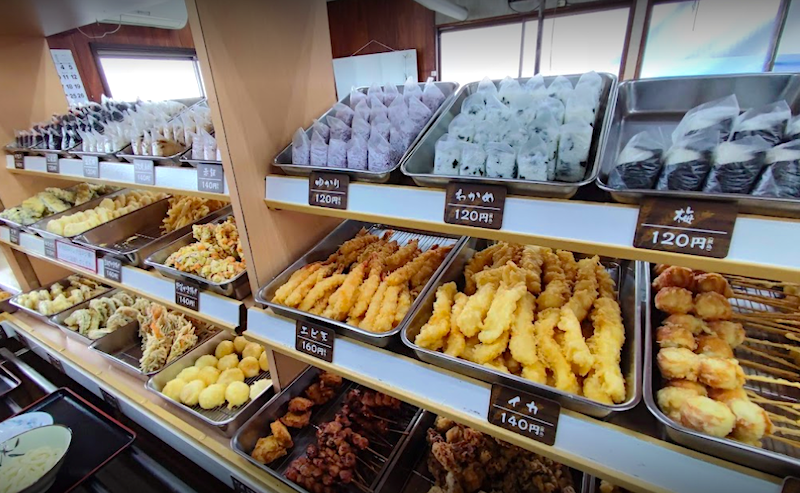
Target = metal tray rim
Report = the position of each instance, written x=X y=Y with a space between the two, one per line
x=15 y=379
x=47 y=318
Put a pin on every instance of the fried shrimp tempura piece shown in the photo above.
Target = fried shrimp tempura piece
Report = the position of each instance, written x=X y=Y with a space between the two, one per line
x=675 y=277
x=385 y=319
x=426 y=270
x=320 y=306
x=605 y=382
x=574 y=345
x=367 y=289
x=544 y=328
x=321 y=291
x=712 y=306
x=344 y=298
x=531 y=261
x=401 y=257
x=294 y=281
x=499 y=317
x=585 y=291
x=403 y=305
x=469 y=322
x=674 y=300
x=421 y=261
x=476 y=264
x=523 y=341
x=374 y=307
x=605 y=284
x=456 y=342
x=711 y=282
x=432 y=334
x=568 y=264
x=299 y=294
x=349 y=251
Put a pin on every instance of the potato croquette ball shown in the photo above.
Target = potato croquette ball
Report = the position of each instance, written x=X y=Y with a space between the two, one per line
x=239 y=343
x=237 y=394
x=224 y=348
x=212 y=396
x=206 y=360
x=230 y=375
x=173 y=389
x=252 y=349
x=229 y=361
x=189 y=374
x=208 y=374
x=249 y=367
x=190 y=393
x=263 y=362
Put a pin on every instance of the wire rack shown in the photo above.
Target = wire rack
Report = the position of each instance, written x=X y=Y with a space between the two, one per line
x=138 y=240
x=426 y=241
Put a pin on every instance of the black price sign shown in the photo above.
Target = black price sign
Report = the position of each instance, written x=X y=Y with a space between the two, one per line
x=144 y=172
x=210 y=178
x=52 y=162
x=328 y=190
x=240 y=487
x=315 y=341
x=112 y=269
x=527 y=415
x=50 y=248
x=56 y=363
x=91 y=166
x=693 y=227
x=19 y=160
x=110 y=399
x=187 y=294
x=14 y=235
x=480 y=206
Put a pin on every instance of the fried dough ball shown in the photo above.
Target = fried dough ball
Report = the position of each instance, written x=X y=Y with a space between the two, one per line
x=695 y=325
x=228 y=361
x=675 y=336
x=189 y=374
x=224 y=348
x=671 y=400
x=674 y=276
x=281 y=434
x=252 y=349
x=721 y=373
x=230 y=375
x=711 y=282
x=173 y=389
x=752 y=422
x=678 y=363
x=712 y=306
x=713 y=346
x=259 y=386
x=212 y=396
x=731 y=332
x=237 y=393
x=267 y=450
x=707 y=416
x=263 y=362
x=249 y=366
x=674 y=300
x=208 y=375
x=206 y=360
x=190 y=393
x=239 y=342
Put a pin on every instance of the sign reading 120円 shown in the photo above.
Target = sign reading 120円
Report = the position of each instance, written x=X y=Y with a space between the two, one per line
x=328 y=190
x=479 y=205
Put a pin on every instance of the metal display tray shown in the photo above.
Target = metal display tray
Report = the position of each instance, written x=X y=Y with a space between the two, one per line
x=419 y=164
x=346 y=231
x=59 y=319
x=135 y=236
x=8 y=381
x=238 y=287
x=630 y=300
x=226 y=420
x=244 y=441
x=773 y=458
x=6 y=306
x=47 y=318
x=186 y=157
x=661 y=103
x=39 y=150
x=284 y=159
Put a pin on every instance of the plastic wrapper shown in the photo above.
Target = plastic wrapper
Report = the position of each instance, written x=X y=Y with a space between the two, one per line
x=688 y=161
x=432 y=96
x=357 y=153
x=553 y=107
x=356 y=97
x=486 y=131
x=523 y=106
x=390 y=93
x=509 y=90
x=560 y=88
x=473 y=160
x=768 y=122
x=411 y=89
x=474 y=105
x=323 y=130
x=447 y=157
x=592 y=83
x=362 y=109
x=462 y=127
x=536 y=86
x=533 y=162
x=496 y=111
x=209 y=146
x=715 y=115
x=339 y=129
x=379 y=157
x=318 y=155
x=375 y=90
x=337 y=154
x=382 y=127
x=781 y=177
x=574 y=140
x=501 y=160
x=344 y=113
x=397 y=142
x=376 y=107
x=486 y=86
x=736 y=165
x=792 y=129
x=418 y=113
x=581 y=106
x=398 y=111
x=361 y=127
x=513 y=134
x=639 y=163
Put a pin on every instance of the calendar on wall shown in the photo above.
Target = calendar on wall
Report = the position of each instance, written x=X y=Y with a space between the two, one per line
x=69 y=76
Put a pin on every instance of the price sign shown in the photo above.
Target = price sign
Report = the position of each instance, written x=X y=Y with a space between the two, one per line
x=187 y=294
x=314 y=340
x=52 y=162
x=528 y=415
x=210 y=178
x=112 y=269
x=693 y=227
x=240 y=487
x=144 y=172
x=110 y=399
x=19 y=160
x=79 y=256
x=50 y=248
x=55 y=362
x=328 y=190
x=91 y=166
x=14 y=235
x=479 y=205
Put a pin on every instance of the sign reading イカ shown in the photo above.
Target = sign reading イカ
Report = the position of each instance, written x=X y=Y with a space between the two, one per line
x=481 y=206
x=528 y=415
x=314 y=340
x=693 y=227
x=328 y=190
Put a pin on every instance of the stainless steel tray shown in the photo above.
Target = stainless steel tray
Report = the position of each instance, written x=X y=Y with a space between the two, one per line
x=8 y=381
x=135 y=236
x=47 y=318
x=661 y=103
x=238 y=287
x=346 y=231
x=6 y=306
x=58 y=320
x=419 y=164
x=773 y=458
x=228 y=421
x=284 y=159
x=244 y=441
x=629 y=301
x=186 y=157
x=101 y=156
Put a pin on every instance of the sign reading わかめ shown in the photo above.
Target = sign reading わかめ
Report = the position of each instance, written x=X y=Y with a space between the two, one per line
x=480 y=205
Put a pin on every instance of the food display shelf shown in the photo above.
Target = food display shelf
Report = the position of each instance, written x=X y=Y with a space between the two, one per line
x=171 y=179
x=638 y=462
x=586 y=227
x=223 y=312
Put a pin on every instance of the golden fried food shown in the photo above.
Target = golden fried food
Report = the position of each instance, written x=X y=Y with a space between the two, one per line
x=296 y=419
x=428 y=267
x=216 y=255
x=109 y=209
x=476 y=264
x=298 y=277
x=239 y=342
x=432 y=334
x=297 y=296
x=230 y=375
x=385 y=319
x=402 y=256
x=721 y=373
x=237 y=393
x=185 y=210
x=727 y=395
x=249 y=366
x=731 y=332
x=471 y=317
x=523 y=345
x=695 y=325
x=687 y=384
x=206 y=360
x=557 y=290
x=212 y=396
x=713 y=346
x=263 y=361
x=224 y=348
x=374 y=307
x=367 y=290
x=190 y=393
x=605 y=382
x=423 y=265
x=551 y=266
x=707 y=416
x=300 y=404
x=267 y=450
x=585 y=290
x=676 y=277
x=605 y=285
x=679 y=363
x=752 y=422
x=253 y=350
x=456 y=342
x=531 y=261
x=485 y=353
x=711 y=282
x=173 y=388
x=208 y=374
x=281 y=434
x=189 y=374
x=675 y=336
x=499 y=317
x=672 y=399
x=344 y=298
x=712 y=306
x=228 y=361
x=544 y=328
x=569 y=265
x=322 y=290
x=659 y=268
x=674 y=300
x=259 y=387
x=506 y=252
x=573 y=343
x=507 y=273
x=497 y=364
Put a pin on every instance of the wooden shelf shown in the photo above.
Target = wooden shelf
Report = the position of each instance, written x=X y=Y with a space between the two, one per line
x=170 y=179
x=633 y=460
x=586 y=227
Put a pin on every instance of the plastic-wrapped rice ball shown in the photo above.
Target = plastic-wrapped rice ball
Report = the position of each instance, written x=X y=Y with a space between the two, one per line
x=523 y=107
x=560 y=88
x=792 y=129
x=688 y=161
x=339 y=129
x=301 y=147
x=513 y=134
x=447 y=157
x=362 y=109
x=376 y=107
x=375 y=90
x=581 y=107
x=532 y=161
x=639 y=163
x=496 y=111
x=781 y=178
x=379 y=153
x=473 y=160
x=509 y=89
x=382 y=126
x=357 y=153
x=574 y=140
x=344 y=113
x=398 y=111
x=411 y=89
x=501 y=160
x=337 y=154
x=319 y=151
x=361 y=127
x=432 y=96
x=486 y=86
x=356 y=96
x=736 y=165
x=487 y=131
x=717 y=115
x=474 y=106
x=536 y=87
x=551 y=107
x=418 y=113
x=462 y=127
x=767 y=122
x=390 y=94
x=323 y=130
x=592 y=82
x=397 y=143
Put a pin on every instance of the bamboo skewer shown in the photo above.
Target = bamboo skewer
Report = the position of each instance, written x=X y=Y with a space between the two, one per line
x=777 y=381
x=767 y=369
x=782 y=419
x=787 y=441
x=785 y=431
x=766 y=300
x=776 y=359
x=788 y=347
x=772 y=402
x=783 y=406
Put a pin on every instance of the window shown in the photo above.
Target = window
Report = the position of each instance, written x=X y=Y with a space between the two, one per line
x=788 y=53
x=157 y=75
x=472 y=54
x=708 y=37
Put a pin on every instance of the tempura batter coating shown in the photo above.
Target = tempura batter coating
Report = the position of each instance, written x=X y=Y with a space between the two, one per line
x=731 y=332
x=585 y=291
x=675 y=336
x=432 y=334
x=523 y=341
x=707 y=416
x=678 y=363
x=712 y=306
x=499 y=317
x=294 y=281
x=721 y=373
x=485 y=353
x=323 y=289
x=456 y=342
x=344 y=298
x=469 y=322
x=574 y=345
x=605 y=382
x=402 y=256
x=713 y=346
x=711 y=282
x=569 y=265
x=551 y=353
x=674 y=300
x=695 y=325
x=384 y=322
x=752 y=422
x=477 y=263
x=672 y=399
x=675 y=276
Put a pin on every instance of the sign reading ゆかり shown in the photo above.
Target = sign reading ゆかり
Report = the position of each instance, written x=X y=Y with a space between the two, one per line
x=328 y=190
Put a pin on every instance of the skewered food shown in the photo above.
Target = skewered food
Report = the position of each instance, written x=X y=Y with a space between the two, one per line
x=61 y=295
x=185 y=210
x=110 y=208
x=53 y=201
x=217 y=254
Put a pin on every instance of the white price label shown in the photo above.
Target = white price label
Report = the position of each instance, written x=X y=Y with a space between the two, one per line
x=144 y=172
x=85 y=258
x=91 y=167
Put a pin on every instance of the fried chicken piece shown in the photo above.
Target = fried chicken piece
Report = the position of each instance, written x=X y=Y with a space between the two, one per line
x=605 y=382
x=721 y=373
x=731 y=332
x=678 y=363
x=550 y=352
x=574 y=345
x=281 y=434
x=499 y=317
x=294 y=281
x=711 y=282
x=674 y=300
x=469 y=321
x=322 y=290
x=476 y=264
x=344 y=298
x=675 y=336
x=695 y=325
x=713 y=346
x=300 y=404
x=432 y=334
x=267 y=450
x=675 y=277
x=456 y=342
x=585 y=290
x=330 y=380
x=523 y=340
x=531 y=261
x=707 y=416
x=712 y=306
x=296 y=420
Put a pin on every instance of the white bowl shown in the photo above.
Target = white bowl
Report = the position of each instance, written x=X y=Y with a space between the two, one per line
x=57 y=437
x=22 y=423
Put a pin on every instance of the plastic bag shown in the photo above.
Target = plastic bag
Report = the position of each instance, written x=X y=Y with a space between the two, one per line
x=390 y=93
x=356 y=97
x=462 y=127
x=362 y=109
x=767 y=122
x=418 y=113
x=501 y=160
x=473 y=160
x=581 y=106
x=379 y=155
x=357 y=153
x=523 y=107
x=344 y=113
x=398 y=111
x=509 y=90
x=376 y=108
x=474 y=106
x=447 y=157
x=432 y=96
x=552 y=107
x=496 y=111
x=487 y=87
x=397 y=142
x=339 y=129
x=486 y=131
x=382 y=127
x=591 y=82
x=792 y=129
x=688 y=161
x=210 y=146
x=560 y=88
x=411 y=90
x=781 y=177
x=715 y=115
x=736 y=165
x=574 y=140
x=361 y=127
x=375 y=90
x=536 y=87
x=337 y=154
x=533 y=162
x=513 y=134
x=639 y=163
x=319 y=151
x=323 y=130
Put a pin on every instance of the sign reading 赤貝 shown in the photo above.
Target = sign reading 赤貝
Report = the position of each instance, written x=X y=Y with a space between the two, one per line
x=68 y=74
x=481 y=206
x=525 y=414
x=694 y=227
x=328 y=190
x=210 y=178
x=314 y=340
